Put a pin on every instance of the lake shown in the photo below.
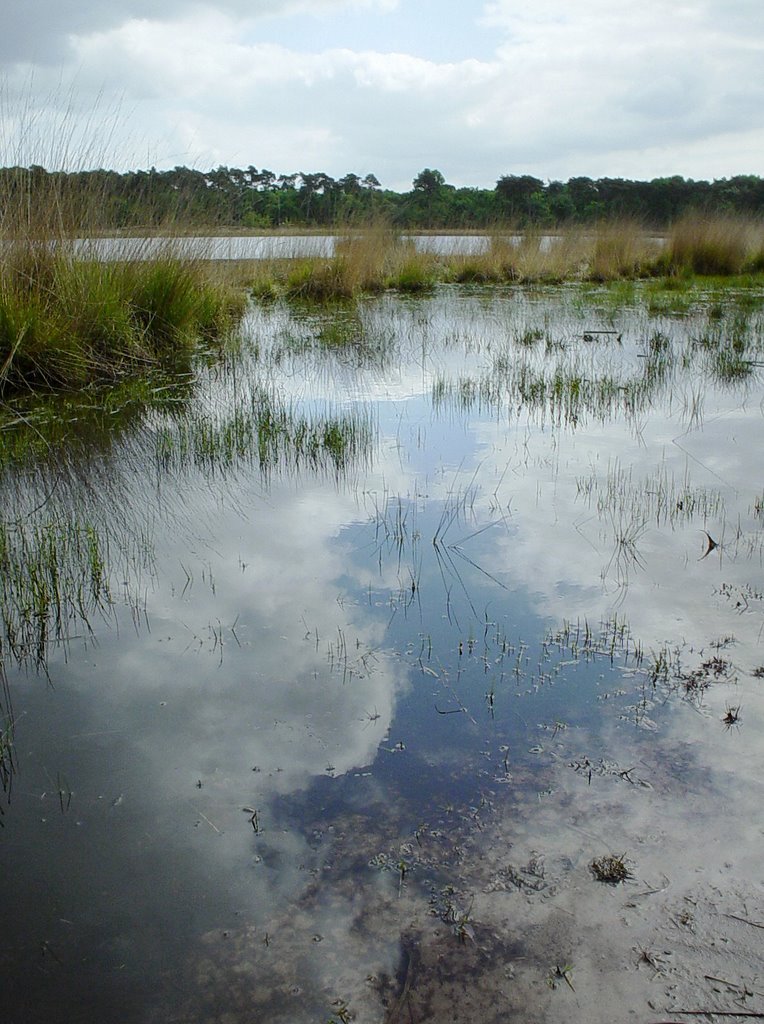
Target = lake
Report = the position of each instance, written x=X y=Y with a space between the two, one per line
x=259 y=247
x=405 y=664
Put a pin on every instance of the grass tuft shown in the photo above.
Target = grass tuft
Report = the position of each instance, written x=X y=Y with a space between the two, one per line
x=706 y=246
x=621 y=250
x=68 y=318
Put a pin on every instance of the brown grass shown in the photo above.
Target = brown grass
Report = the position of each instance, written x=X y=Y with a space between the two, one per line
x=621 y=249
x=374 y=258
x=709 y=245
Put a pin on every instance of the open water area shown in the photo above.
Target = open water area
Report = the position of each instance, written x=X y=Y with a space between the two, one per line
x=263 y=247
x=404 y=664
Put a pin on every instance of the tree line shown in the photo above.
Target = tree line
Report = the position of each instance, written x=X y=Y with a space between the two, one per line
x=248 y=198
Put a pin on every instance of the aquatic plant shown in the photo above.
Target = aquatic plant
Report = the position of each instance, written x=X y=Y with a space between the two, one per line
x=610 y=868
x=268 y=432
x=53 y=577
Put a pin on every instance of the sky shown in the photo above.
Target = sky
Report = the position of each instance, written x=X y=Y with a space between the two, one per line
x=553 y=88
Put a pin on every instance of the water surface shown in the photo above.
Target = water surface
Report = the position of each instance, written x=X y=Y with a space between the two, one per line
x=352 y=712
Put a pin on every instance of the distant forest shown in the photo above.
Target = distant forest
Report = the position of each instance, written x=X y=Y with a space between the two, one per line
x=249 y=198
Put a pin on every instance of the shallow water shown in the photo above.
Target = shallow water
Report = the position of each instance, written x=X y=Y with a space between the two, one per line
x=351 y=726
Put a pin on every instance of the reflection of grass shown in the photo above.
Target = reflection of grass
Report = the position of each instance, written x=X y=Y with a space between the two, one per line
x=7 y=751
x=43 y=432
x=628 y=506
x=730 y=366
x=346 y=331
x=659 y=497
x=562 y=394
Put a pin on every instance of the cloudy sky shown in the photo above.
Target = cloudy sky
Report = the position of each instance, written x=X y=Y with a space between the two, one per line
x=554 y=88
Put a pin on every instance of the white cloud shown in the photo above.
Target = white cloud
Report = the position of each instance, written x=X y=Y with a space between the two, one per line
x=41 y=30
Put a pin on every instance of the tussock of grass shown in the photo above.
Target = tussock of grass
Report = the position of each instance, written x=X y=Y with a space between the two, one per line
x=415 y=274
x=363 y=262
x=372 y=259
x=67 y=318
x=555 y=258
x=66 y=321
x=707 y=245
x=621 y=250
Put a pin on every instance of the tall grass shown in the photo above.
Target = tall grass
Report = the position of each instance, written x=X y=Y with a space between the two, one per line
x=68 y=319
x=709 y=245
x=365 y=261
x=372 y=259
x=621 y=249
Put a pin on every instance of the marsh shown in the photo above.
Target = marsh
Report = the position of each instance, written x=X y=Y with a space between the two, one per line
x=377 y=636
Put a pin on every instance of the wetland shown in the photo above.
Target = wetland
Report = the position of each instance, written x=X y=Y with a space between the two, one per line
x=401 y=660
